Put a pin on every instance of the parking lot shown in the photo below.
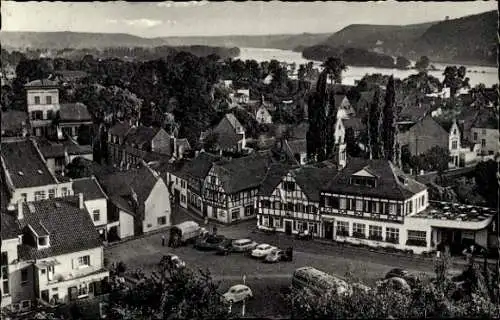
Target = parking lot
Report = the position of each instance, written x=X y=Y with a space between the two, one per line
x=268 y=281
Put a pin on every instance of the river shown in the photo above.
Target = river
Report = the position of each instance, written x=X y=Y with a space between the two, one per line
x=476 y=74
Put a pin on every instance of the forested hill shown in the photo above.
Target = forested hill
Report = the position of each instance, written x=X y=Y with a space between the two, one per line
x=470 y=39
x=80 y=40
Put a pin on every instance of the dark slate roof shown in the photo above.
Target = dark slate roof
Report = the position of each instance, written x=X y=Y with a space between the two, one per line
x=354 y=123
x=4 y=194
x=274 y=175
x=70 y=228
x=199 y=167
x=120 y=129
x=89 y=187
x=10 y=225
x=140 y=180
x=74 y=112
x=14 y=120
x=429 y=127
x=338 y=98
x=141 y=135
x=51 y=150
x=43 y=83
x=311 y=180
x=414 y=112
x=25 y=165
x=388 y=184
x=242 y=173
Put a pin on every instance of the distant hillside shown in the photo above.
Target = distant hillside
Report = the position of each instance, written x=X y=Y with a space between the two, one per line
x=391 y=40
x=471 y=39
x=80 y=40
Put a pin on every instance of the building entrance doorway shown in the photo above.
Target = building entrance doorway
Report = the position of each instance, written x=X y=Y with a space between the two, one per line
x=288 y=227
x=328 y=230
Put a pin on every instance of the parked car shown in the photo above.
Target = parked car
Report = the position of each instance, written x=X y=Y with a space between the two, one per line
x=172 y=261
x=225 y=247
x=238 y=293
x=210 y=242
x=278 y=255
x=304 y=235
x=243 y=245
x=262 y=250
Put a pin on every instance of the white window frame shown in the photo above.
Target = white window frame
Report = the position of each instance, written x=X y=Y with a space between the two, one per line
x=81 y=263
x=392 y=233
x=40 y=195
x=94 y=213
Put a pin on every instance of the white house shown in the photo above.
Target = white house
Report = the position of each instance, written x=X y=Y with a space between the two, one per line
x=55 y=264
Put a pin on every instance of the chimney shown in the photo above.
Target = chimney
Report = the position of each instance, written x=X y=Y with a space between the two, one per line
x=20 y=215
x=80 y=200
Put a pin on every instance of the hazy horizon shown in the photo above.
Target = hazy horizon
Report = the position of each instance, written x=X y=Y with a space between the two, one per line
x=215 y=19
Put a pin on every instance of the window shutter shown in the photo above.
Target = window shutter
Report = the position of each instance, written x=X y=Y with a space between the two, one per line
x=89 y=260
x=73 y=263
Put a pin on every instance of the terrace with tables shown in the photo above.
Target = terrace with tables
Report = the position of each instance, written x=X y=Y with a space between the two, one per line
x=458 y=225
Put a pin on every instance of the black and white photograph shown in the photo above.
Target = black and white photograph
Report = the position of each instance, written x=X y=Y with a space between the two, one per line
x=198 y=160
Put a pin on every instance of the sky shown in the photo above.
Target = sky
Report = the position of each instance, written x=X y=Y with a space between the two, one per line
x=161 y=19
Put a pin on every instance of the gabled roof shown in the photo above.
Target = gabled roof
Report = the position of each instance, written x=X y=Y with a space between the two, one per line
x=120 y=129
x=388 y=184
x=309 y=179
x=199 y=167
x=43 y=83
x=242 y=173
x=339 y=98
x=233 y=121
x=57 y=216
x=25 y=165
x=89 y=187
x=141 y=135
x=416 y=112
x=429 y=127
x=70 y=112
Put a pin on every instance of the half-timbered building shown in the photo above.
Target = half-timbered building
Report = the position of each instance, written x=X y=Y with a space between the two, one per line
x=230 y=189
x=288 y=200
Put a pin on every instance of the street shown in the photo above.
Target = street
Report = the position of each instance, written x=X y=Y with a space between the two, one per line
x=268 y=281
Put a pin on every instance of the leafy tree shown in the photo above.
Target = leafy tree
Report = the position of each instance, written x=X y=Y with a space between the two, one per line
x=85 y=135
x=301 y=73
x=173 y=294
x=389 y=127
x=435 y=159
x=485 y=175
x=375 y=118
x=422 y=64
x=334 y=66
x=454 y=78
x=402 y=62
x=210 y=141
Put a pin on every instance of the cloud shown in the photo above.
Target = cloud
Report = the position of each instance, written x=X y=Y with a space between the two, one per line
x=183 y=4
x=112 y=21
x=143 y=23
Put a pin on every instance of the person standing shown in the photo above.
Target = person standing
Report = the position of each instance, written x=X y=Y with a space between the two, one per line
x=162 y=240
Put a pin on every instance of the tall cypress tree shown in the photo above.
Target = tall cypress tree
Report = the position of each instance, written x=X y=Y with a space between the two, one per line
x=389 y=127
x=374 y=127
x=322 y=116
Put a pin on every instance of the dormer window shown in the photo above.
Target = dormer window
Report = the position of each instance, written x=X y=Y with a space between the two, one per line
x=289 y=186
x=403 y=180
x=364 y=181
x=43 y=242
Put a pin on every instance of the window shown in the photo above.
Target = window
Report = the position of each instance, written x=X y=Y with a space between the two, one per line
x=367 y=206
x=212 y=179
x=83 y=290
x=475 y=136
x=483 y=143
x=96 y=215
x=5 y=274
x=350 y=204
x=277 y=205
x=64 y=192
x=48 y=100
x=358 y=230
x=37 y=100
x=24 y=197
x=299 y=207
x=483 y=131
x=52 y=193
x=392 y=235
x=83 y=261
x=24 y=276
x=417 y=238
x=39 y=195
x=236 y=197
x=359 y=205
x=312 y=209
x=289 y=186
x=183 y=184
x=50 y=114
x=43 y=241
x=375 y=233
x=454 y=145
x=183 y=198
x=249 y=211
x=162 y=221
x=235 y=214
x=265 y=203
x=343 y=228
x=289 y=206
x=332 y=202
